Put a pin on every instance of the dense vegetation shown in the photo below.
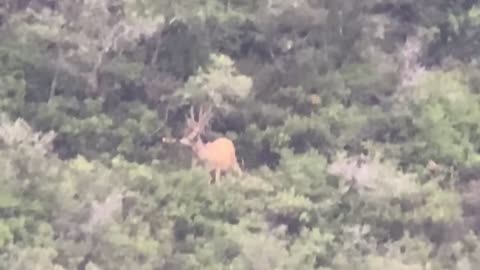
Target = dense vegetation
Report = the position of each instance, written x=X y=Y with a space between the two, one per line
x=357 y=124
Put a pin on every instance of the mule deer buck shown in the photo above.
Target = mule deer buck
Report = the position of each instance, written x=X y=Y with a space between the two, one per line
x=217 y=156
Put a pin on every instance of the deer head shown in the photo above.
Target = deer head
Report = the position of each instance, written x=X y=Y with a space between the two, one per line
x=195 y=128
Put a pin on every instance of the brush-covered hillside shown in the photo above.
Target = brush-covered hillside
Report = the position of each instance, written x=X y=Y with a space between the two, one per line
x=356 y=125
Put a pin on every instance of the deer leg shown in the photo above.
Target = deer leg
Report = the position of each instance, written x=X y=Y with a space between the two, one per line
x=212 y=177
x=217 y=175
x=194 y=162
x=237 y=169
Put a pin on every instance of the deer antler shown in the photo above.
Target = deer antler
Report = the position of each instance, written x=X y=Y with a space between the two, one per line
x=204 y=117
x=195 y=128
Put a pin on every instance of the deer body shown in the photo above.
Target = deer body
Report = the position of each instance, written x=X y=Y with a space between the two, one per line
x=217 y=156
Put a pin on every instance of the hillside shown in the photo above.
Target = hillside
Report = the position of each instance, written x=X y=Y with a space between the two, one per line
x=356 y=125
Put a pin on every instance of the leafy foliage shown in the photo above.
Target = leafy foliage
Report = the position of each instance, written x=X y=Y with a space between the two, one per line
x=355 y=123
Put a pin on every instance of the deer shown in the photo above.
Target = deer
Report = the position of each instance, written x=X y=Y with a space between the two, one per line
x=218 y=155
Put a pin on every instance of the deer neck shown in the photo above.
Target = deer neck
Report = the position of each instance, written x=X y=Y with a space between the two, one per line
x=199 y=147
